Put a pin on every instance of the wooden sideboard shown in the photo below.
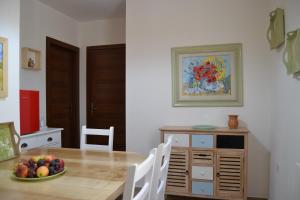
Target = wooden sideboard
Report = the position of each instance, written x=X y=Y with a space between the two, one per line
x=207 y=164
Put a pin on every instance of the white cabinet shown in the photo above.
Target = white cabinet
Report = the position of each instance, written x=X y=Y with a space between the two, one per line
x=48 y=137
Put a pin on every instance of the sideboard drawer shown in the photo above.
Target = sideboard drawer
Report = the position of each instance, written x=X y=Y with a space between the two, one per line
x=203 y=173
x=53 y=138
x=47 y=138
x=179 y=140
x=203 y=157
x=30 y=143
x=202 y=188
x=203 y=141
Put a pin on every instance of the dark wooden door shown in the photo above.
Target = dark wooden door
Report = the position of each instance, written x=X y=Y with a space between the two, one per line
x=106 y=90
x=62 y=89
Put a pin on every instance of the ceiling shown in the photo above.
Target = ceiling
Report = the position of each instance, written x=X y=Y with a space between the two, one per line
x=88 y=10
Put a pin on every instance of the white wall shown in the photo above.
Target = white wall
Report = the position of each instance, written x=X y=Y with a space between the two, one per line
x=10 y=29
x=153 y=27
x=37 y=22
x=285 y=139
x=93 y=33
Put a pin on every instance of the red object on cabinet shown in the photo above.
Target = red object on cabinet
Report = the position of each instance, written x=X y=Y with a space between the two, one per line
x=29 y=111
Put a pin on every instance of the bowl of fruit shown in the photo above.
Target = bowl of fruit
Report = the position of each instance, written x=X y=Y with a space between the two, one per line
x=39 y=168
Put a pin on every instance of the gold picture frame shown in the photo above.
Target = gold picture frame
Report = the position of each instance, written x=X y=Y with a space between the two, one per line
x=31 y=59
x=3 y=67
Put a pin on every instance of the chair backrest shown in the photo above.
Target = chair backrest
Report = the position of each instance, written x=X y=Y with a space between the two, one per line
x=101 y=132
x=160 y=173
x=143 y=171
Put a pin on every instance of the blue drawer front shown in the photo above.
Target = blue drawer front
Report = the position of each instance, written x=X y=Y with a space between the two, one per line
x=202 y=188
x=203 y=141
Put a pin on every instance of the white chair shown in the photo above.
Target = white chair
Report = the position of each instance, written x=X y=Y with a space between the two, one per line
x=101 y=132
x=143 y=171
x=160 y=173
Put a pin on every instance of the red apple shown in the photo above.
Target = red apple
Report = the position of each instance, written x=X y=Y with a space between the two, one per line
x=24 y=162
x=21 y=171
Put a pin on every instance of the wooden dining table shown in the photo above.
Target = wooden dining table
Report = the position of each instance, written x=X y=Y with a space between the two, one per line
x=90 y=175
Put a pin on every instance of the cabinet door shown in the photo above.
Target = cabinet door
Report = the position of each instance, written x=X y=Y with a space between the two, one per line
x=230 y=174
x=177 y=181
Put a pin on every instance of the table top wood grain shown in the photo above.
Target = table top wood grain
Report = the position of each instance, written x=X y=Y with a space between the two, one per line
x=90 y=175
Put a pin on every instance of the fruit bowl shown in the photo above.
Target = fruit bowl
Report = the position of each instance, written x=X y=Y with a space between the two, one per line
x=39 y=178
x=39 y=168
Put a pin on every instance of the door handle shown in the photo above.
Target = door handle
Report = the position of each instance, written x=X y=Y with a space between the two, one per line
x=93 y=109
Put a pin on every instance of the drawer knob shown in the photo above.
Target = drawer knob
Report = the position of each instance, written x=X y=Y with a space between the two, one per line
x=24 y=145
x=49 y=139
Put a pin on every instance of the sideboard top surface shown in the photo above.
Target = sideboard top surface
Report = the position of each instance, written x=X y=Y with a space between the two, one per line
x=242 y=130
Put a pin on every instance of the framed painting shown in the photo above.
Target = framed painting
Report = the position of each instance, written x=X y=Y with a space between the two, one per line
x=9 y=148
x=3 y=67
x=207 y=76
x=31 y=59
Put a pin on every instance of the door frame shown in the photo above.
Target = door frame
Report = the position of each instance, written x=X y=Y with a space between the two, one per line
x=75 y=109
x=88 y=82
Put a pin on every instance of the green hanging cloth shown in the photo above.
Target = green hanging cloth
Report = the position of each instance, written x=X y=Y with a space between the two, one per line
x=291 y=56
x=276 y=30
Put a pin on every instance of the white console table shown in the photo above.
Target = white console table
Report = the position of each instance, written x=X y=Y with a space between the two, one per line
x=46 y=137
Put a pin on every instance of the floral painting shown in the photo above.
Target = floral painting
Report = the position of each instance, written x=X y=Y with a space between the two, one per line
x=207 y=75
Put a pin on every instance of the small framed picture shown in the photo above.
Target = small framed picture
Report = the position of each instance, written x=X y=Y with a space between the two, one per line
x=207 y=76
x=31 y=59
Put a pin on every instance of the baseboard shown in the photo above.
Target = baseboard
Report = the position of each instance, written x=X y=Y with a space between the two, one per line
x=254 y=198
